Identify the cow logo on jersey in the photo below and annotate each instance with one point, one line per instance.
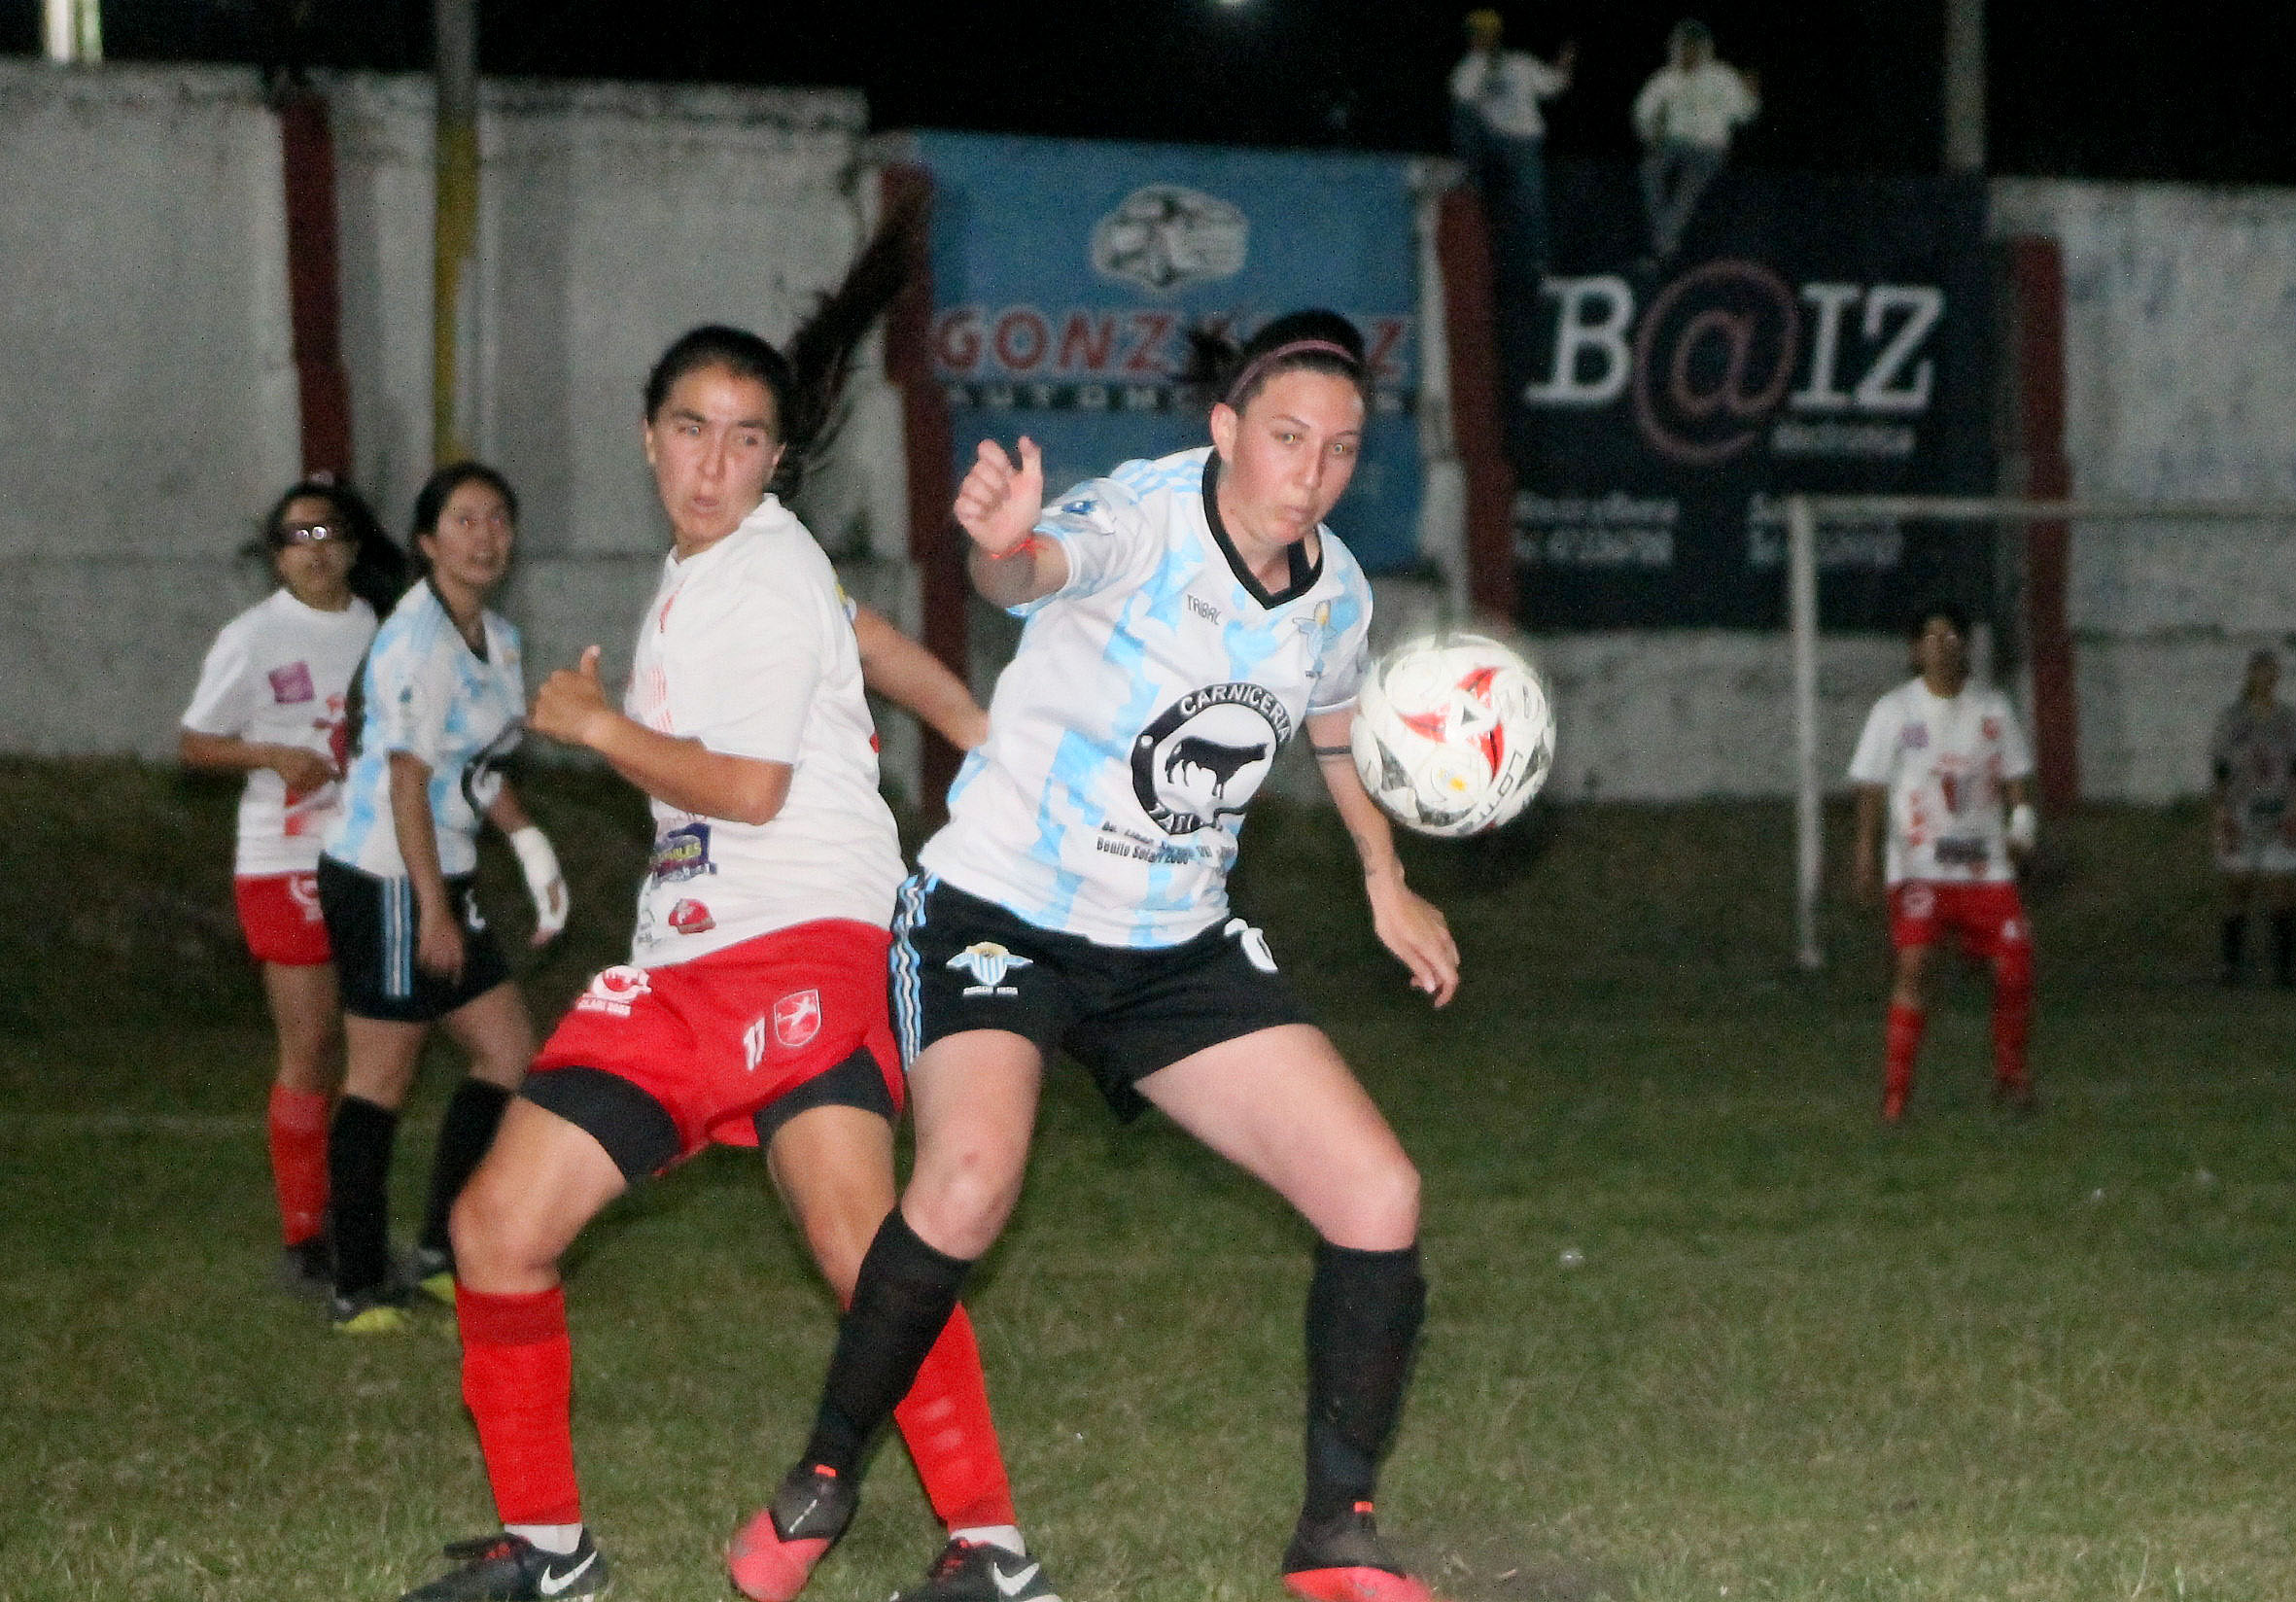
(1164, 237)
(614, 991)
(797, 1019)
(1205, 755)
(691, 917)
(680, 854)
(989, 962)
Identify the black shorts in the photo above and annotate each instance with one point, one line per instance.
(959, 963)
(370, 922)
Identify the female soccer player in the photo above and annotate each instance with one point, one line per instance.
(1186, 615)
(443, 702)
(270, 705)
(2253, 756)
(1944, 760)
(753, 1010)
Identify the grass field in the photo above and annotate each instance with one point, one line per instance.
(1699, 1328)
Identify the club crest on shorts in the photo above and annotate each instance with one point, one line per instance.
(614, 990)
(302, 889)
(797, 1019)
(989, 962)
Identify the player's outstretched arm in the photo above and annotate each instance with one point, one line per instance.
(998, 505)
(1408, 924)
(571, 709)
(903, 672)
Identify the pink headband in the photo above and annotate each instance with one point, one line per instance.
(1297, 347)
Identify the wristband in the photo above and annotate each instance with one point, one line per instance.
(2025, 826)
(544, 881)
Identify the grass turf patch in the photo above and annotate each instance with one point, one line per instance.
(1699, 1329)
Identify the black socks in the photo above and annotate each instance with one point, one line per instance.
(902, 1299)
(464, 1134)
(358, 1176)
(1364, 1312)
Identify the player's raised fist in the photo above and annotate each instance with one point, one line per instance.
(998, 504)
(568, 700)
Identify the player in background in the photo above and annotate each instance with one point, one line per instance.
(1185, 617)
(1943, 758)
(443, 707)
(2253, 759)
(270, 705)
(753, 1010)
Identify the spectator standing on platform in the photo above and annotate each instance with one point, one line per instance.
(1685, 116)
(1497, 131)
(2253, 756)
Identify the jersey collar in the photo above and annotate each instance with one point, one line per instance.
(1303, 571)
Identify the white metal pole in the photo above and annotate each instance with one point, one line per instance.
(1802, 608)
(1964, 86)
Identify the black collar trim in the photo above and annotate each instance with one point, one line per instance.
(1304, 573)
(480, 650)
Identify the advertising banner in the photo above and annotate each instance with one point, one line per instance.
(1066, 275)
(1815, 333)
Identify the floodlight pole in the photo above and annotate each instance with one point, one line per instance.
(1964, 86)
(72, 30)
(1801, 607)
(454, 283)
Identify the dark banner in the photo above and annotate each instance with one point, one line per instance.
(1814, 333)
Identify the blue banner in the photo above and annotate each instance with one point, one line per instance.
(1067, 274)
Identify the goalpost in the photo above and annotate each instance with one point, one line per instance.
(1806, 514)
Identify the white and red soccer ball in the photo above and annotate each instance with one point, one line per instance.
(1453, 734)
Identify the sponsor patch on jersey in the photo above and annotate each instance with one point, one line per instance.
(614, 990)
(680, 854)
(691, 917)
(1990, 728)
(797, 1019)
(1914, 736)
(1205, 755)
(292, 684)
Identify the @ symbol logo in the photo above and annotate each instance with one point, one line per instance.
(1712, 360)
(1207, 753)
(1166, 238)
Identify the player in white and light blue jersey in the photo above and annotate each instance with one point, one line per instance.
(444, 704)
(1186, 617)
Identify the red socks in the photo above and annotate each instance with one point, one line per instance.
(2013, 1021)
(1904, 1044)
(951, 1438)
(518, 1381)
(297, 1128)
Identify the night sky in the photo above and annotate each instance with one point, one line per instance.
(2106, 88)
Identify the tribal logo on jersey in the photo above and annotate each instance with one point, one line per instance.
(1205, 755)
(614, 990)
(989, 962)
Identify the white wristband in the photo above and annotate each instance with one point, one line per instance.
(2025, 826)
(544, 881)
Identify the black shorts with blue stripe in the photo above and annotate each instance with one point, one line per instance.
(962, 963)
(370, 922)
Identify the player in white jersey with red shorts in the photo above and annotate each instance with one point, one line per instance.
(1947, 765)
(271, 704)
(1185, 617)
(2252, 758)
(752, 1009)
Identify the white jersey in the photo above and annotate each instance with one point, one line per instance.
(748, 648)
(460, 712)
(2254, 755)
(277, 675)
(1944, 761)
(1504, 88)
(1701, 105)
(1145, 706)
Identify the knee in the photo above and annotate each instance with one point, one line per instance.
(493, 1235)
(961, 1195)
(1379, 1207)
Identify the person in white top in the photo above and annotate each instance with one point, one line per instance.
(1946, 763)
(2252, 761)
(1685, 116)
(1498, 133)
(442, 696)
(271, 704)
(752, 1009)
(1185, 617)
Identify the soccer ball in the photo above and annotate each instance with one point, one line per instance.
(1453, 735)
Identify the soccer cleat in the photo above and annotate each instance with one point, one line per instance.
(774, 1553)
(981, 1570)
(307, 1267)
(1344, 1561)
(430, 1270)
(510, 1568)
(380, 1309)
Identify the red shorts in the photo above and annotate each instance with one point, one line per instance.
(279, 914)
(716, 1040)
(1989, 918)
